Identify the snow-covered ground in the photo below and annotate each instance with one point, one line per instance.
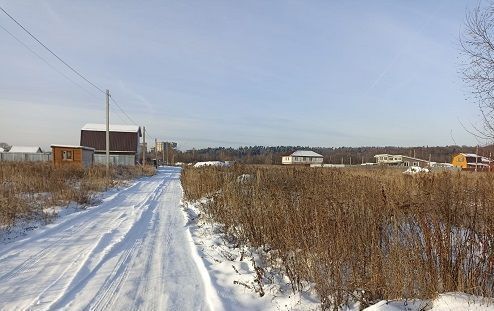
(445, 302)
(242, 279)
(212, 163)
(245, 282)
(130, 252)
(144, 248)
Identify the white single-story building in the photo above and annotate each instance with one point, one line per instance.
(26, 149)
(303, 157)
(400, 160)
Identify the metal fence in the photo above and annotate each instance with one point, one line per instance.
(22, 156)
(115, 159)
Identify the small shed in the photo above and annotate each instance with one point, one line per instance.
(72, 155)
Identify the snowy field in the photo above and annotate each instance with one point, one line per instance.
(143, 248)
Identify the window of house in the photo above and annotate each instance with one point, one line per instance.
(416, 164)
(406, 163)
(67, 155)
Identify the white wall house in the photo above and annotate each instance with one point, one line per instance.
(400, 160)
(25, 149)
(302, 157)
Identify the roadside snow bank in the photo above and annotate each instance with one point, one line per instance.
(211, 163)
(242, 279)
(415, 170)
(448, 301)
(52, 214)
(245, 280)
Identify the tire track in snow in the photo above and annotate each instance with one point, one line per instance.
(121, 270)
(111, 250)
(65, 230)
(68, 221)
(112, 284)
(130, 252)
(102, 242)
(32, 261)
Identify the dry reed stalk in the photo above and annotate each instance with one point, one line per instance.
(359, 234)
(26, 188)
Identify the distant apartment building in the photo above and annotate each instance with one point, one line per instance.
(160, 146)
(303, 157)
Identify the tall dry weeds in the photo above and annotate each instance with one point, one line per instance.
(26, 188)
(359, 234)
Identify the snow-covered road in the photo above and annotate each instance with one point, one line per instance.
(130, 252)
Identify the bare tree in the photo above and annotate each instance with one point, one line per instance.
(477, 42)
(5, 146)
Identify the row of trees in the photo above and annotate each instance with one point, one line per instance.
(346, 155)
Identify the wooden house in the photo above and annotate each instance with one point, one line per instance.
(302, 157)
(63, 155)
(124, 142)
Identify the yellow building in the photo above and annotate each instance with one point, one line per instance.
(470, 161)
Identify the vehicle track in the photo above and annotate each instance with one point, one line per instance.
(130, 252)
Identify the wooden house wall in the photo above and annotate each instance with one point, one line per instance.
(119, 141)
(58, 157)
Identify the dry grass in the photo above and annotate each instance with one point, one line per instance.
(28, 187)
(359, 234)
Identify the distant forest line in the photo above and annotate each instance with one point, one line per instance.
(345, 155)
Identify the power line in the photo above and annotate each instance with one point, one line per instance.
(115, 112)
(66, 64)
(46, 61)
(121, 109)
(128, 117)
(53, 53)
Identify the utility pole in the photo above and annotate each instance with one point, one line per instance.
(107, 134)
(490, 161)
(163, 151)
(156, 150)
(144, 147)
(167, 153)
(476, 158)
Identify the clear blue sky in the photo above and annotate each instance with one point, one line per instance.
(231, 73)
